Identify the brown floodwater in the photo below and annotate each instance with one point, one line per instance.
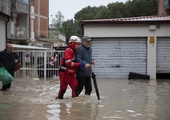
(30, 99)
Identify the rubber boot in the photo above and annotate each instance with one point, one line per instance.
(77, 91)
(8, 85)
(61, 94)
(4, 88)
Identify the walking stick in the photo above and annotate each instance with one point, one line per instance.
(95, 84)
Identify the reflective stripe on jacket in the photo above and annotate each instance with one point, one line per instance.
(68, 63)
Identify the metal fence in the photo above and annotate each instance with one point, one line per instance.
(38, 64)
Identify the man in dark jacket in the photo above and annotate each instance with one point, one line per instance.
(8, 59)
(84, 54)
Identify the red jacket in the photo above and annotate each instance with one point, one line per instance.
(68, 62)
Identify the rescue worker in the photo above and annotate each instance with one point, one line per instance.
(68, 67)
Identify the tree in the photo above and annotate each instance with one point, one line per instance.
(141, 8)
(57, 21)
(132, 8)
(116, 10)
(68, 29)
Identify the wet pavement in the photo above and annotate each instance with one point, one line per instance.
(120, 100)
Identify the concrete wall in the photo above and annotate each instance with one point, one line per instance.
(140, 30)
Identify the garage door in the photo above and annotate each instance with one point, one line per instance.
(116, 57)
(163, 55)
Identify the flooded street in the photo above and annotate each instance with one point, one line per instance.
(120, 100)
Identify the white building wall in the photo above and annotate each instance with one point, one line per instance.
(125, 30)
(2, 34)
(136, 30)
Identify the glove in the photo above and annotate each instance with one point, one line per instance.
(82, 64)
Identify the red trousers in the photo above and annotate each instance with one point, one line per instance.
(65, 80)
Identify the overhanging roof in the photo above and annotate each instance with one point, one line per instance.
(25, 47)
(142, 19)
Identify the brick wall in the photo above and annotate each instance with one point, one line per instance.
(160, 7)
(41, 8)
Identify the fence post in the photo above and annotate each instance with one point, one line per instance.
(45, 65)
(23, 64)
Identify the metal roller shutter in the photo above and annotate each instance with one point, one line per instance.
(163, 55)
(116, 57)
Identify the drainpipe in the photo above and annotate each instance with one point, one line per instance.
(29, 21)
(7, 27)
(48, 19)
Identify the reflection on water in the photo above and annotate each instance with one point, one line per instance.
(163, 99)
(120, 99)
(16, 111)
(72, 111)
